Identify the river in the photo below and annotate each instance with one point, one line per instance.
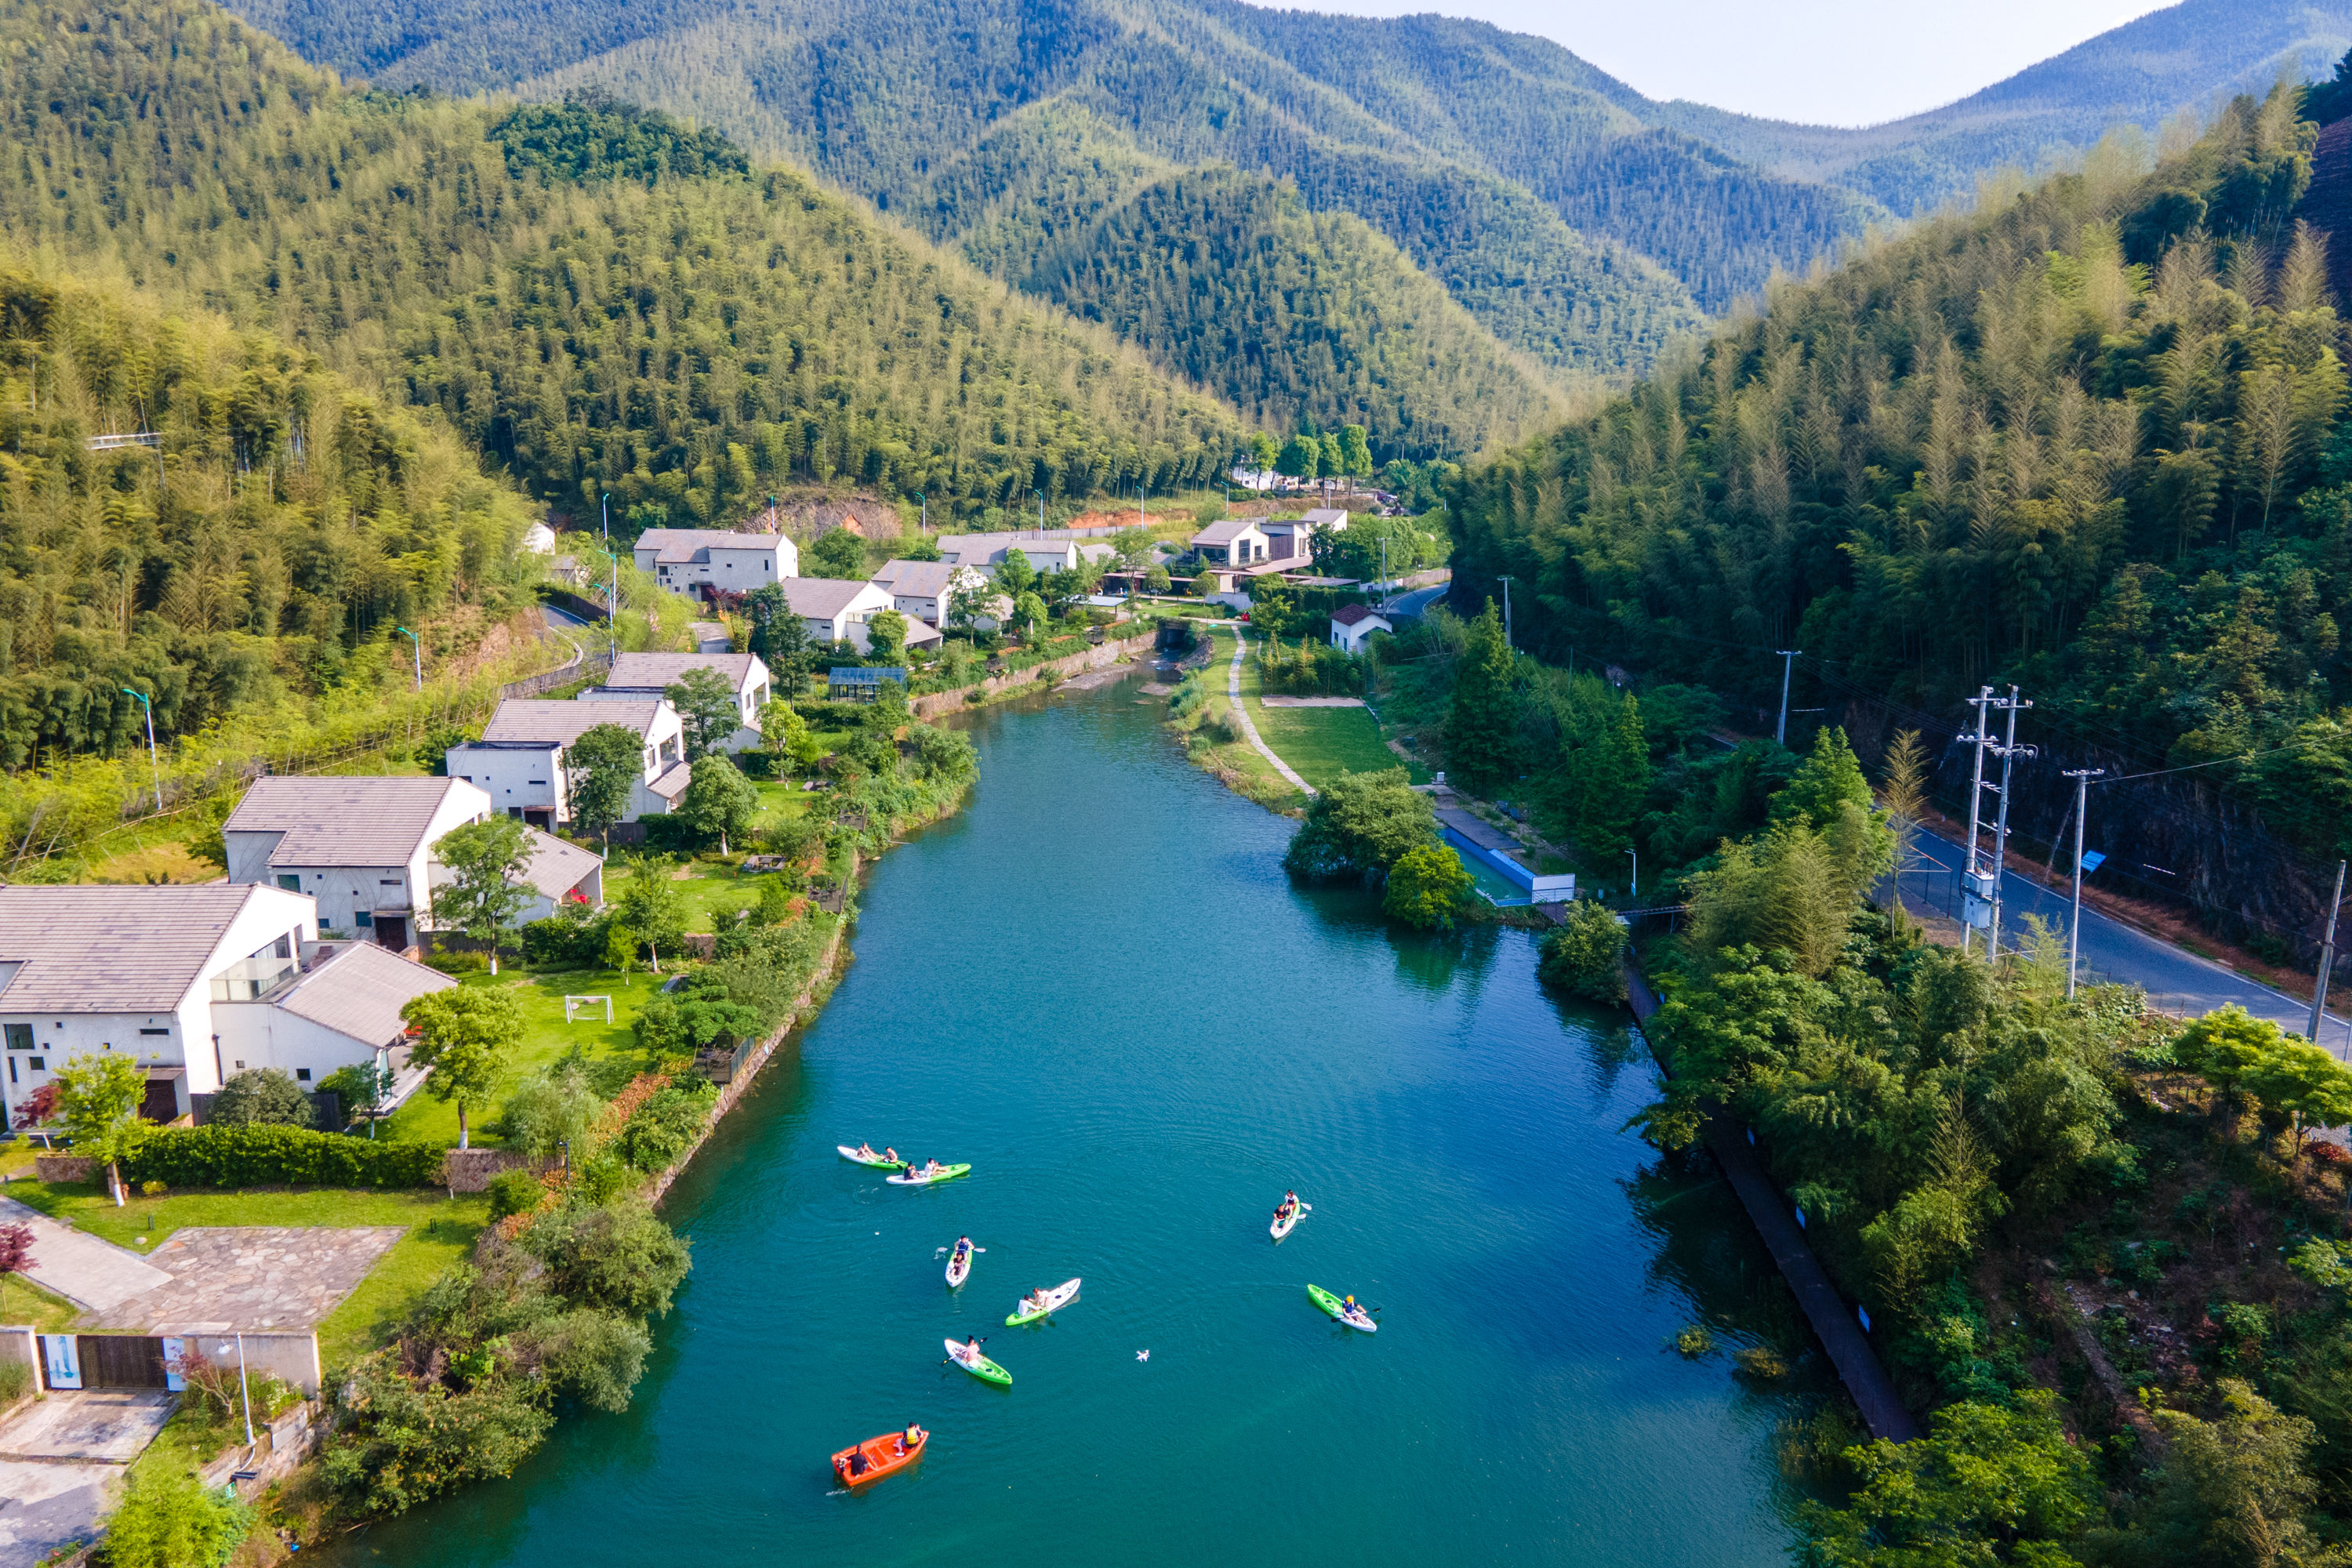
(1096, 986)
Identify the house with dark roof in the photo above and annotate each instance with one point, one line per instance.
(1354, 624)
(521, 761)
(137, 970)
(836, 610)
(711, 561)
(640, 677)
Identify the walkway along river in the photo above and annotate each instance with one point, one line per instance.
(1096, 986)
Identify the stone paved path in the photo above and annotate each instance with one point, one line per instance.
(252, 1277)
(91, 1273)
(1234, 693)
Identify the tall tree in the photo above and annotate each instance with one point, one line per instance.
(1483, 724)
(465, 1035)
(486, 890)
(719, 801)
(602, 770)
(709, 708)
(98, 1099)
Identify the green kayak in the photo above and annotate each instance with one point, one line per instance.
(979, 1365)
(1360, 1319)
(912, 1178)
(1058, 1297)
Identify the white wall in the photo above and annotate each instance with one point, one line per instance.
(255, 1034)
(513, 776)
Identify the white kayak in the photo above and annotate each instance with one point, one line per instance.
(877, 1162)
(960, 1267)
(1285, 1224)
(1059, 1296)
(926, 1178)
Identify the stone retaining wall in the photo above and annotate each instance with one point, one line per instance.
(471, 1170)
(1107, 652)
(73, 1168)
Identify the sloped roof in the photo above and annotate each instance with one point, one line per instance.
(918, 579)
(336, 821)
(112, 949)
(556, 867)
(1326, 517)
(659, 671)
(821, 597)
(679, 544)
(561, 724)
(1350, 614)
(673, 782)
(1227, 531)
(359, 991)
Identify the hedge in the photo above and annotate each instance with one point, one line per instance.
(221, 1155)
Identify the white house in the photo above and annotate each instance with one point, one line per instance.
(691, 560)
(1293, 539)
(560, 873)
(521, 760)
(1047, 550)
(539, 540)
(138, 971)
(1351, 625)
(339, 1007)
(360, 847)
(923, 590)
(644, 676)
(1235, 542)
(834, 610)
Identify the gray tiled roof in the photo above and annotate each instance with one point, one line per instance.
(112, 949)
(1326, 517)
(331, 820)
(561, 724)
(358, 991)
(555, 866)
(824, 597)
(676, 545)
(658, 671)
(673, 782)
(1227, 531)
(918, 579)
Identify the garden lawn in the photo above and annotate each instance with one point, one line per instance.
(1324, 743)
(611, 1050)
(23, 1302)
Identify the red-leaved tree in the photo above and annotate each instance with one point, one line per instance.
(16, 1258)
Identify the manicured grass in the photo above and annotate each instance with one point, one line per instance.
(144, 1224)
(1324, 743)
(609, 1049)
(23, 1302)
(437, 1240)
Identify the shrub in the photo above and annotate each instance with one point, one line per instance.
(15, 1381)
(459, 963)
(405, 1441)
(514, 1191)
(262, 1097)
(619, 1257)
(169, 1519)
(571, 938)
(1584, 955)
(664, 1127)
(1359, 827)
(262, 1156)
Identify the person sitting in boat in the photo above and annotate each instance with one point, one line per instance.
(1034, 1301)
(910, 1438)
(857, 1466)
(891, 1154)
(932, 1168)
(971, 1352)
(866, 1152)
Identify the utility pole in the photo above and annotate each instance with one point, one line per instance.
(1969, 879)
(1506, 613)
(613, 604)
(416, 650)
(1788, 663)
(2009, 751)
(153, 766)
(1634, 891)
(2081, 777)
(604, 517)
(2326, 958)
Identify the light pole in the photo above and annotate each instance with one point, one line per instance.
(2326, 958)
(153, 766)
(1788, 663)
(2083, 777)
(1635, 890)
(604, 517)
(613, 604)
(417, 649)
(1507, 612)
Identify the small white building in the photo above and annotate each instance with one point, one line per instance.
(925, 590)
(1235, 541)
(539, 540)
(138, 971)
(339, 1007)
(520, 759)
(1354, 624)
(360, 847)
(645, 677)
(692, 559)
(1293, 539)
(834, 610)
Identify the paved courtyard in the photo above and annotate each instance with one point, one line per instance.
(251, 1277)
(61, 1458)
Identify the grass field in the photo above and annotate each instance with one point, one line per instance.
(1324, 743)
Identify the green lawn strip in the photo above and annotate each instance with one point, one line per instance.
(1323, 742)
(436, 1241)
(22, 1302)
(546, 1038)
(144, 1224)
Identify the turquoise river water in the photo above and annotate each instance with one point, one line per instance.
(1096, 984)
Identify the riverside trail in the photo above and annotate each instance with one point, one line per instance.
(1096, 984)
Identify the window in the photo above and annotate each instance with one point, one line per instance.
(302, 1075)
(20, 1037)
(387, 882)
(363, 920)
(240, 1067)
(38, 1064)
(165, 1031)
(514, 811)
(290, 880)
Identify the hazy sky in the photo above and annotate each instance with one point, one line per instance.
(1834, 62)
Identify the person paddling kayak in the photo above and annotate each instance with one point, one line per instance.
(891, 1154)
(866, 1152)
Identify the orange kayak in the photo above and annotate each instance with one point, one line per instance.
(884, 1456)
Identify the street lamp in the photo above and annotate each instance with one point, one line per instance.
(1635, 890)
(153, 766)
(417, 651)
(604, 515)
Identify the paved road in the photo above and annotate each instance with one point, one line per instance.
(2175, 980)
(1417, 601)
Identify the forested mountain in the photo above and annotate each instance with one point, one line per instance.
(2190, 56)
(2091, 439)
(599, 299)
(287, 522)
